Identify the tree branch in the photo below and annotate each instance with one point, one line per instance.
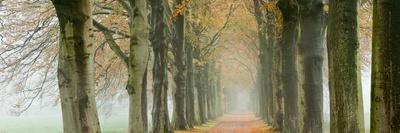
(111, 41)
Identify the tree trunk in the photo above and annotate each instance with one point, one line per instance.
(179, 77)
(199, 80)
(312, 55)
(269, 53)
(139, 43)
(190, 112)
(219, 92)
(344, 74)
(208, 90)
(289, 9)
(277, 87)
(212, 88)
(76, 67)
(160, 119)
(144, 97)
(262, 31)
(385, 110)
(201, 98)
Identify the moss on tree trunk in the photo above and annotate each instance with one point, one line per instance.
(346, 104)
(385, 99)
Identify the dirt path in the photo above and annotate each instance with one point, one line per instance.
(240, 123)
(233, 123)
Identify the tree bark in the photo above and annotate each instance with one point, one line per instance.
(290, 12)
(264, 66)
(190, 106)
(76, 67)
(311, 54)
(139, 43)
(385, 110)
(346, 104)
(199, 75)
(180, 65)
(160, 119)
(206, 89)
(144, 97)
(269, 53)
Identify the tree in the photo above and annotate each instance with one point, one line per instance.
(290, 15)
(190, 90)
(346, 104)
(139, 43)
(311, 51)
(385, 109)
(160, 77)
(264, 66)
(76, 67)
(178, 49)
(136, 62)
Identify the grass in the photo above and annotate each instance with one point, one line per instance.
(53, 124)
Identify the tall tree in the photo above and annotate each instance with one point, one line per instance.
(262, 34)
(178, 46)
(190, 101)
(139, 44)
(346, 104)
(385, 110)
(199, 80)
(290, 15)
(312, 55)
(137, 61)
(76, 67)
(160, 120)
(272, 16)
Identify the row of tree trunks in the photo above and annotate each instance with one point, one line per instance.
(281, 77)
(76, 67)
(385, 110)
(76, 62)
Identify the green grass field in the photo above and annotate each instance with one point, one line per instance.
(53, 124)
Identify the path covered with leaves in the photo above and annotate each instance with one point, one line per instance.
(236, 123)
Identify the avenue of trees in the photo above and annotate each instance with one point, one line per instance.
(88, 48)
(292, 65)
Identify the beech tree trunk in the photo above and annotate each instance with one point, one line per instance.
(277, 87)
(76, 67)
(139, 44)
(199, 79)
(346, 104)
(263, 76)
(178, 46)
(207, 89)
(160, 119)
(385, 110)
(312, 55)
(190, 105)
(290, 12)
(269, 66)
